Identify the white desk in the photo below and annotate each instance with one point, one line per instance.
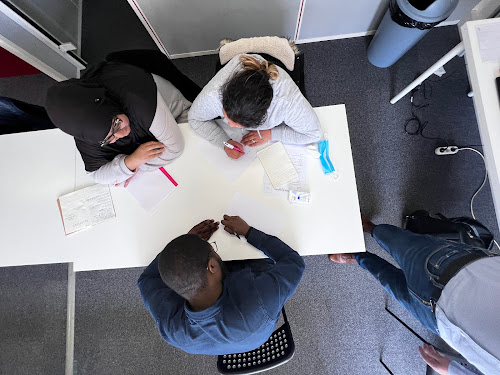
(330, 224)
(37, 167)
(486, 102)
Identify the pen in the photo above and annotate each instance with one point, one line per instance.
(237, 235)
(229, 145)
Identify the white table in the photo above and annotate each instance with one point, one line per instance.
(331, 224)
(486, 102)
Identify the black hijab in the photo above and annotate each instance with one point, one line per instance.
(85, 107)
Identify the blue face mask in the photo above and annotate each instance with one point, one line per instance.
(324, 157)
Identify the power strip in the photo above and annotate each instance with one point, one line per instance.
(450, 150)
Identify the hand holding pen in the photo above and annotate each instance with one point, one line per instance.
(233, 149)
(235, 225)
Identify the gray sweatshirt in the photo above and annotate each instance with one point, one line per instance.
(290, 116)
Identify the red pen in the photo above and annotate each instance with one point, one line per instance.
(229, 145)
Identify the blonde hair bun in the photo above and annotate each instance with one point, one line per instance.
(251, 63)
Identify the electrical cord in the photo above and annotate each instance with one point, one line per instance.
(415, 125)
(480, 187)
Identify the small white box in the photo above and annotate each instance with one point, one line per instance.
(300, 197)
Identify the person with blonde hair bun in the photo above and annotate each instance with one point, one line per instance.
(256, 95)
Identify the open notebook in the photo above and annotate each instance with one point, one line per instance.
(277, 164)
(85, 208)
(151, 188)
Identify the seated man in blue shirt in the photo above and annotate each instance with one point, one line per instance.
(206, 306)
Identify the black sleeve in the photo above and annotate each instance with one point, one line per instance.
(157, 63)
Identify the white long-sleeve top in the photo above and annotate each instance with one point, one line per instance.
(171, 106)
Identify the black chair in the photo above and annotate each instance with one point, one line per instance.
(277, 350)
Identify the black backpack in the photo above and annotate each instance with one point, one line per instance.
(459, 229)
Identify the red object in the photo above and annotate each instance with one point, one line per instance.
(168, 176)
(11, 65)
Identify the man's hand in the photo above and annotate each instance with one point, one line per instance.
(252, 138)
(234, 154)
(434, 359)
(235, 225)
(143, 154)
(205, 229)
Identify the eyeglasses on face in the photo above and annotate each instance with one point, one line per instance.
(214, 246)
(116, 125)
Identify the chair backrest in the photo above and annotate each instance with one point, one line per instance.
(297, 74)
(277, 350)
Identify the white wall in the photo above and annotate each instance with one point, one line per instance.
(324, 19)
(187, 26)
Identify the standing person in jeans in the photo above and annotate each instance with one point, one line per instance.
(203, 305)
(453, 289)
(17, 117)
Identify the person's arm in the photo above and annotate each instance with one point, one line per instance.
(301, 124)
(443, 365)
(161, 301)
(277, 285)
(206, 107)
(123, 167)
(166, 130)
(114, 172)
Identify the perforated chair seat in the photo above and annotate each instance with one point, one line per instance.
(277, 350)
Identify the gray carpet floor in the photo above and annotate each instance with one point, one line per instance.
(337, 314)
(33, 319)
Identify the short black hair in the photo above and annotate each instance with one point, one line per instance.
(247, 96)
(183, 265)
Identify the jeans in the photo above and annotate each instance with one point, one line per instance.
(17, 116)
(422, 259)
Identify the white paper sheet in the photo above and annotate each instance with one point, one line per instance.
(231, 169)
(86, 207)
(256, 214)
(277, 164)
(298, 157)
(150, 189)
(489, 42)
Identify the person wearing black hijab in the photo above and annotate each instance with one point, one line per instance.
(123, 114)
